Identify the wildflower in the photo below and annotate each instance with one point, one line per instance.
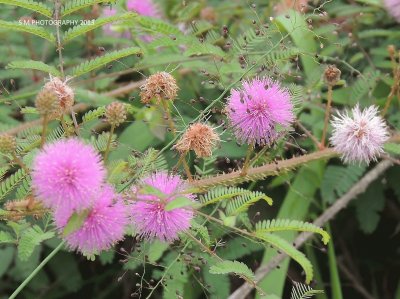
(149, 216)
(64, 93)
(160, 86)
(8, 144)
(332, 75)
(116, 113)
(103, 226)
(200, 138)
(359, 138)
(257, 109)
(66, 174)
(143, 7)
(47, 103)
(393, 8)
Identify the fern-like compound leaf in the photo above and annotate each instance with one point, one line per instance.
(303, 291)
(284, 246)
(75, 5)
(35, 30)
(82, 29)
(274, 225)
(37, 7)
(10, 183)
(235, 267)
(98, 62)
(33, 65)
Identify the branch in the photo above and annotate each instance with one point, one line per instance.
(258, 173)
(339, 205)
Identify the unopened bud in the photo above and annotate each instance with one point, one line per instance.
(47, 103)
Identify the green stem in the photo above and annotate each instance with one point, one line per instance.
(246, 162)
(327, 115)
(109, 143)
(36, 271)
(44, 129)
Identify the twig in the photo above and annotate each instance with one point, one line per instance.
(340, 204)
(327, 115)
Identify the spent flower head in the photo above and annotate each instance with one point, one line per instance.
(66, 174)
(63, 91)
(332, 75)
(149, 215)
(8, 143)
(161, 86)
(103, 226)
(200, 138)
(257, 109)
(360, 137)
(47, 103)
(115, 113)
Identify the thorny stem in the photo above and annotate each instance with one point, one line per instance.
(395, 87)
(261, 172)
(187, 169)
(44, 130)
(246, 162)
(17, 160)
(34, 272)
(327, 115)
(57, 8)
(75, 122)
(109, 143)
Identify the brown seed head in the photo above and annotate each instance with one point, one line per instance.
(160, 86)
(200, 138)
(208, 14)
(7, 143)
(47, 103)
(116, 113)
(64, 93)
(332, 75)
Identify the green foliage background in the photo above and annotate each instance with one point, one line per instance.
(291, 46)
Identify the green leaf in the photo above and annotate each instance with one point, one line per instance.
(303, 291)
(75, 5)
(37, 7)
(75, 222)
(178, 202)
(7, 185)
(6, 257)
(392, 148)
(35, 30)
(98, 62)
(33, 65)
(6, 238)
(238, 268)
(82, 29)
(274, 225)
(147, 189)
(290, 250)
(30, 238)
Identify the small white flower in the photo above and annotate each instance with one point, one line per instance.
(359, 138)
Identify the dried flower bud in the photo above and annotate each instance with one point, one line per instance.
(392, 50)
(116, 113)
(47, 103)
(7, 143)
(332, 75)
(64, 93)
(208, 14)
(200, 138)
(160, 86)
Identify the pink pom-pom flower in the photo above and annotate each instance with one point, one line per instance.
(149, 215)
(66, 174)
(256, 109)
(143, 7)
(360, 137)
(102, 228)
(393, 8)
